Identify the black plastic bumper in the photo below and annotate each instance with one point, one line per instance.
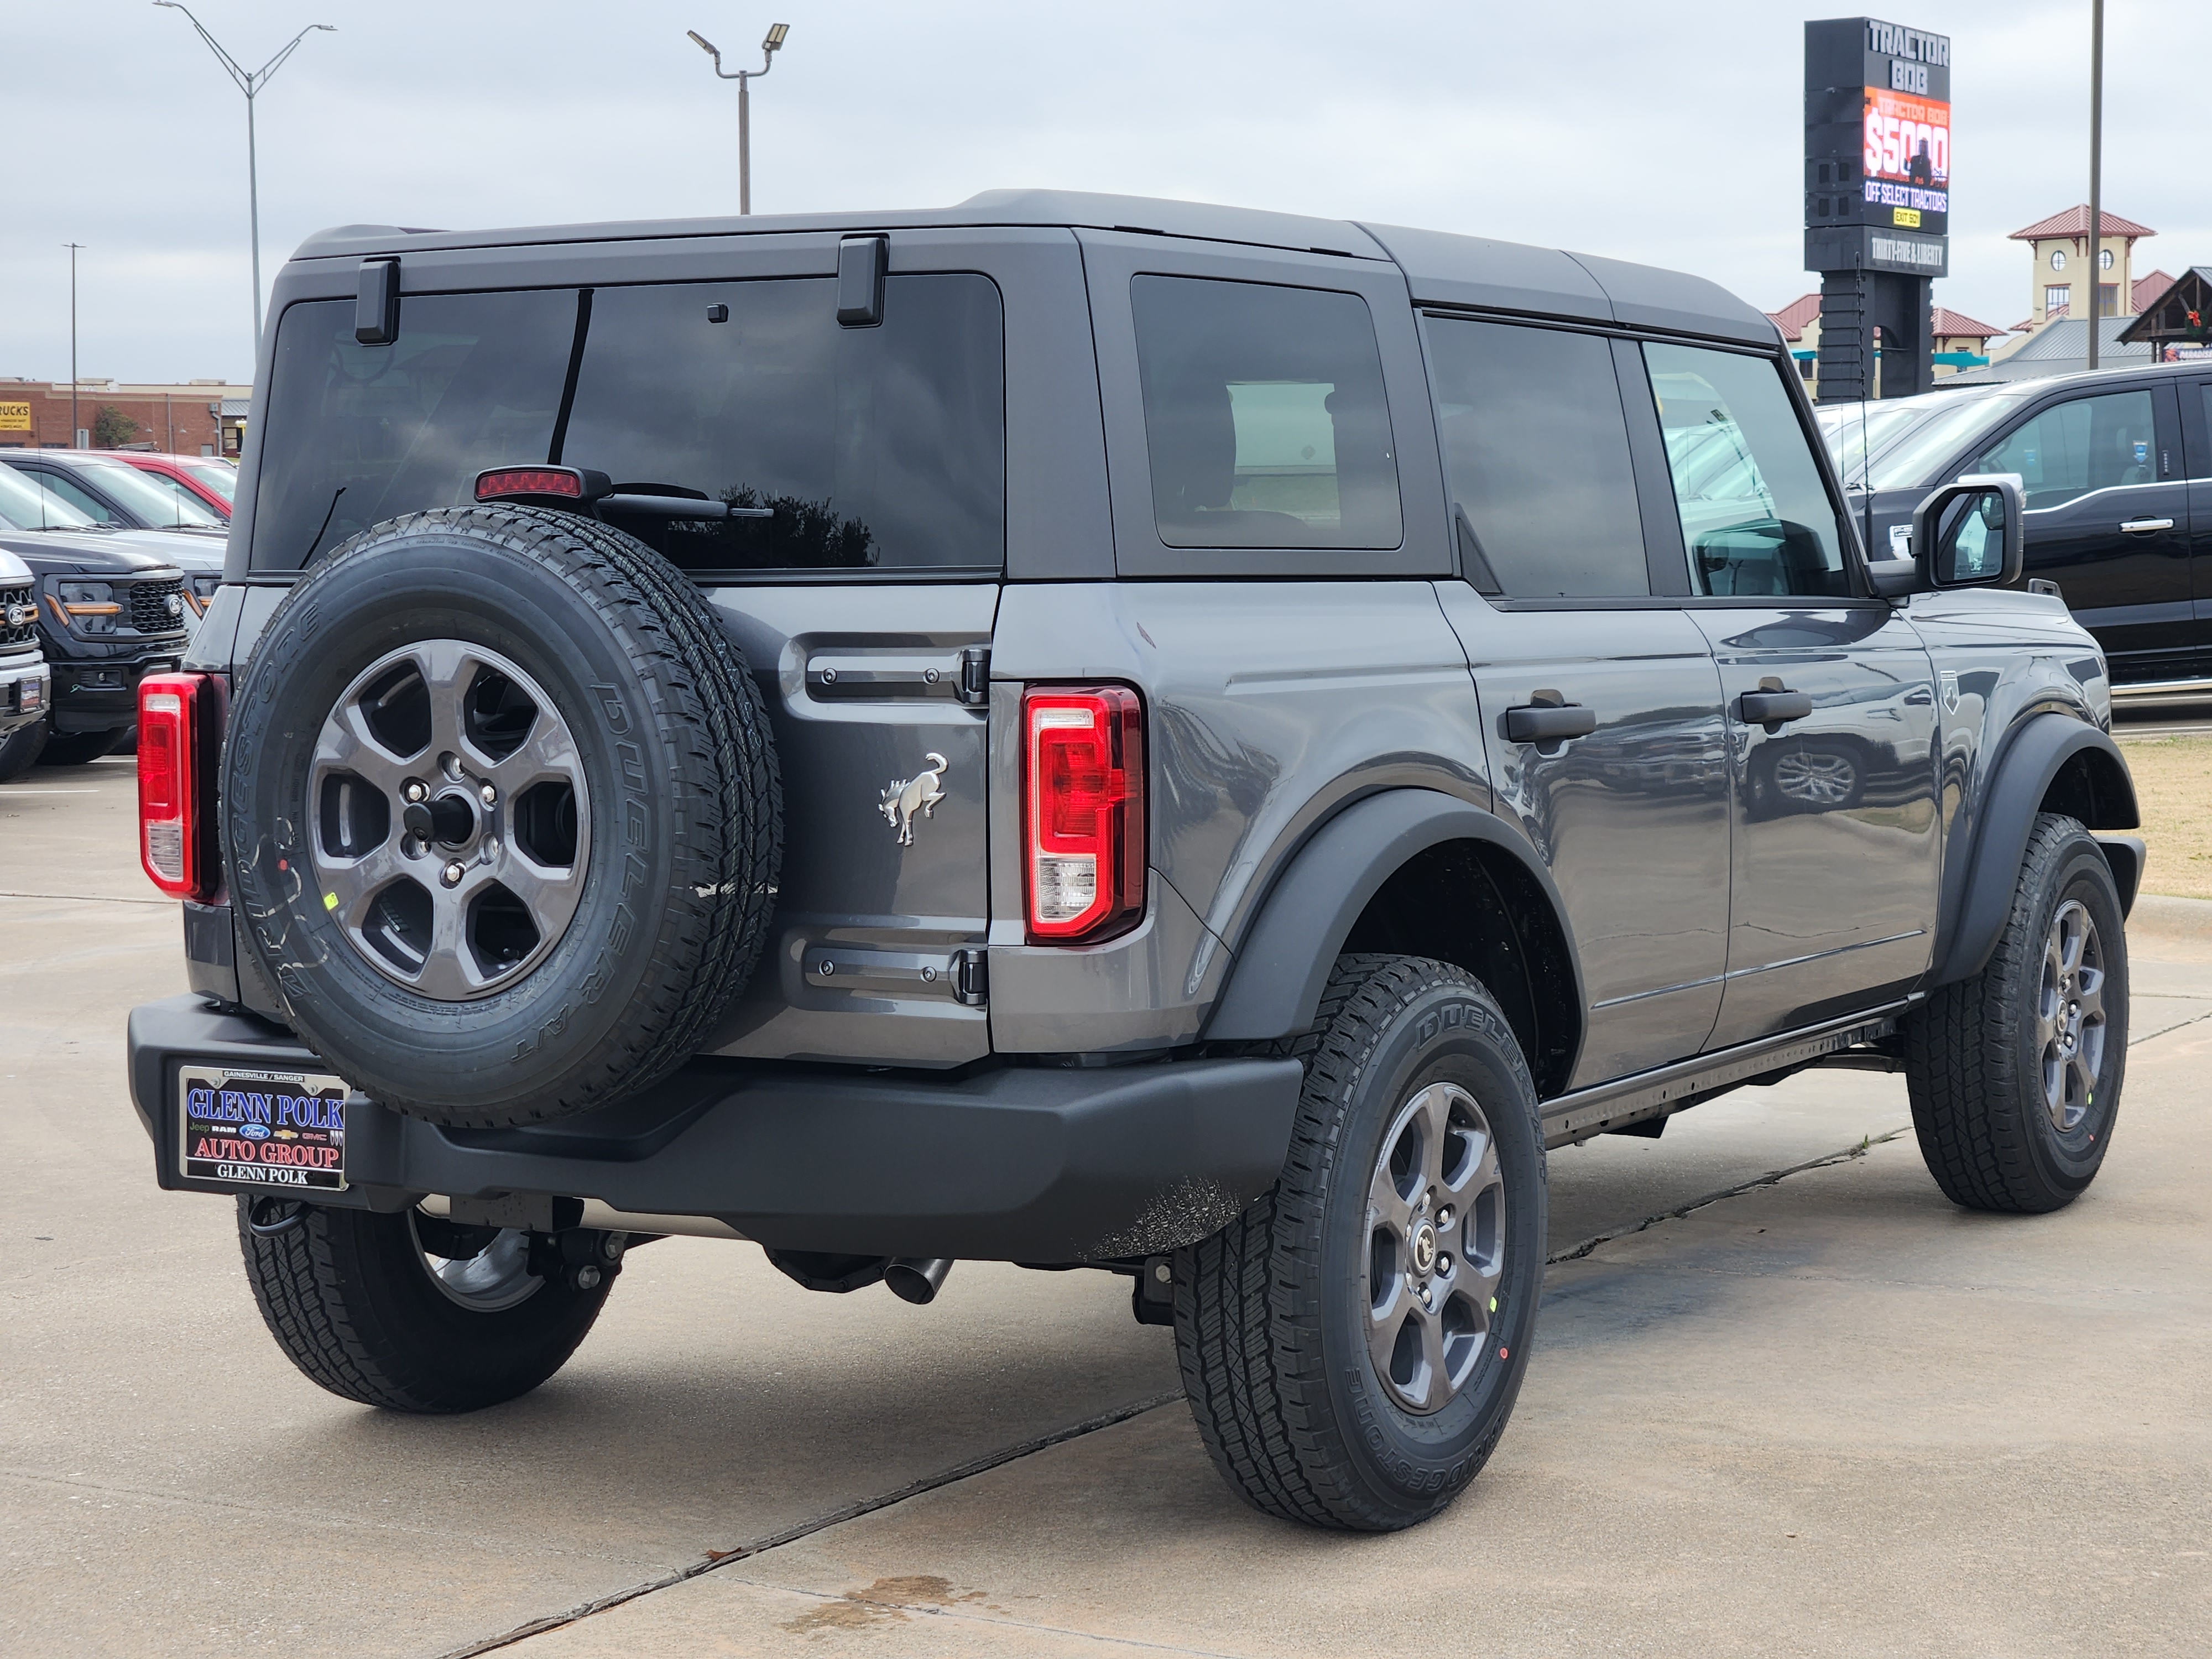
(102, 694)
(1015, 1164)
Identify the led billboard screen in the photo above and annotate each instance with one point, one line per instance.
(1877, 133)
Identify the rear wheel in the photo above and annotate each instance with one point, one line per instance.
(366, 1307)
(2015, 1075)
(1353, 1344)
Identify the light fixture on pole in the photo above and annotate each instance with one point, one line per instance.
(77, 432)
(770, 47)
(250, 82)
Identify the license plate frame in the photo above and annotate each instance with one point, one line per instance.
(242, 1127)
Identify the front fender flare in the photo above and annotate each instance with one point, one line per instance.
(2020, 778)
(1283, 962)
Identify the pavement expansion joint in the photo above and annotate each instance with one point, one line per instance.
(1772, 1177)
(88, 898)
(792, 1535)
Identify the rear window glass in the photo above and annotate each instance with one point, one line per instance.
(1264, 416)
(881, 447)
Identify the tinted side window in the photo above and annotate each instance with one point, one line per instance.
(1756, 515)
(1535, 451)
(359, 434)
(881, 446)
(2072, 448)
(1264, 416)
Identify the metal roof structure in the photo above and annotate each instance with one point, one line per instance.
(1440, 269)
(2075, 221)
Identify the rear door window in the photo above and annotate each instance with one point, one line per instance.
(1756, 517)
(878, 448)
(1264, 420)
(1535, 451)
(2074, 447)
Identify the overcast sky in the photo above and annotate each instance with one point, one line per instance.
(1666, 133)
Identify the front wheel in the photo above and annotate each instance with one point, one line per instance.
(371, 1307)
(1353, 1344)
(2015, 1075)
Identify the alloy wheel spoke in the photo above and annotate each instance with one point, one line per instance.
(356, 882)
(346, 745)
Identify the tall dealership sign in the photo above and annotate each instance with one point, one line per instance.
(1877, 197)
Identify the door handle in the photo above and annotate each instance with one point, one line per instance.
(2144, 526)
(1549, 722)
(1772, 708)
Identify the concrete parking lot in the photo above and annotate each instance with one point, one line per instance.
(1823, 1412)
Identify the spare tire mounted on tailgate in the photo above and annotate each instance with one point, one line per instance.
(501, 814)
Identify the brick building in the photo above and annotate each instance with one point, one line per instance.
(200, 417)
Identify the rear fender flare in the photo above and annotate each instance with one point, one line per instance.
(1283, 959)
(2023, 774)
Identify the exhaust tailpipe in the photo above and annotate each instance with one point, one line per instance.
(917, 1279)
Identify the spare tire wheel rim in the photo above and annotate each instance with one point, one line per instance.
(448, 819)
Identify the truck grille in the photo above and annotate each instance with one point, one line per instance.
(18, 602)
(156, 608)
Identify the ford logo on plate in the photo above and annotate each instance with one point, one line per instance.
(22, 616)
(254, 1131)
(176, 605)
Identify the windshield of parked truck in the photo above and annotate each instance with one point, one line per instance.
(26, 504)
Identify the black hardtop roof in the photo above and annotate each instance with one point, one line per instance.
(1441, 268)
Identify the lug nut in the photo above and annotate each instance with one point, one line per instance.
(452, 874)
(488, 795)
(415, 792)
(1444, 1216)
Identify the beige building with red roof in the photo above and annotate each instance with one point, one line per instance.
(2060, 275)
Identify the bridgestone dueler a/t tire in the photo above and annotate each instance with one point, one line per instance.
(685, 812)
(350, 1302)
(1973, 1058)
(1270, 1313)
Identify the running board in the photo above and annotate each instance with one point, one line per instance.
(1571, 1118)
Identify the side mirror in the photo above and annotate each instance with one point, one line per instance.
(1972, 533)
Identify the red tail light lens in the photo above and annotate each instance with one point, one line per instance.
(1083, 811)
(169, 822)
(505, 481)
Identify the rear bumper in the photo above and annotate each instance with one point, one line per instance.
(1015, 1164)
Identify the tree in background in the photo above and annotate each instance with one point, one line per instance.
(112, 428)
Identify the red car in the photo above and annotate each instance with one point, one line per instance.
(207, 480)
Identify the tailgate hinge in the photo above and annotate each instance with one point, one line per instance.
(976, 675)
(971, 976)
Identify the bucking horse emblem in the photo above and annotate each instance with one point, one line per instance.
(907, 799)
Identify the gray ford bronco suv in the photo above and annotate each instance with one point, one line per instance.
(1089, 732)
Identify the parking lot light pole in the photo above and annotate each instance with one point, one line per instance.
(74, 247)
(250, 81)
(770, 47)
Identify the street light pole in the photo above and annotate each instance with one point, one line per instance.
(770, 47)
(2096, 173)
(250, 82)
(74, 428)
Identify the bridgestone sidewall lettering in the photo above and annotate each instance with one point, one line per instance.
(684, 810)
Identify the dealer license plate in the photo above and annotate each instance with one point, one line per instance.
(278, 1129)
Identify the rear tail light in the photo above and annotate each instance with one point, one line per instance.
(1083, 811)
(171, 825)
